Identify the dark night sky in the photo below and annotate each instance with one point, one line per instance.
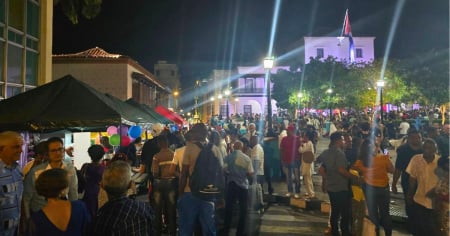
(198, 34)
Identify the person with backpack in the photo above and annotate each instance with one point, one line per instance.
(238, 168)
(200, 183)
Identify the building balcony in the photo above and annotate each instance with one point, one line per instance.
(254, 91)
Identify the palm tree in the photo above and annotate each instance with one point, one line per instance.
(89, 9)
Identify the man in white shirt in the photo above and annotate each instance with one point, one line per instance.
(422, 179)
(257, 157)
(251, 131)
(33, 202)
(403, 128)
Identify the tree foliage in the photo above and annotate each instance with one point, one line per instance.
(422, 80)
(89, 9)
(429, 72)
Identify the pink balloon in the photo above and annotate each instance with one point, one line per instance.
(111, 130)
(125, 141)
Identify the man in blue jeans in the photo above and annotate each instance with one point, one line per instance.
(238, 167)
(192, 209)
(335, 164)
(290, 158)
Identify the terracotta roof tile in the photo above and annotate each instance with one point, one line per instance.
(90, 53)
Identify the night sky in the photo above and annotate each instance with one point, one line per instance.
(198, 34)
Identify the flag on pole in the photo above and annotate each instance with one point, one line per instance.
(347, 32)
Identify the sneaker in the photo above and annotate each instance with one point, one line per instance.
(296, 195)
(288, 194)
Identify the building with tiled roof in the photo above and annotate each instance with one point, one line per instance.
(116, 74)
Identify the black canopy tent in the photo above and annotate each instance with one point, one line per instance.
(149, 110)
(66, 104)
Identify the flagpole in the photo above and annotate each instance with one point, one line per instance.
(341, 37)
(343, 24)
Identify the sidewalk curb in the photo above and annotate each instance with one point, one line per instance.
(318, 205)
(300, 203)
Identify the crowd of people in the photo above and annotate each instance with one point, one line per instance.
(45, 200)
(51, 197)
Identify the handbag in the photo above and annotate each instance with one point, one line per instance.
(308, 157)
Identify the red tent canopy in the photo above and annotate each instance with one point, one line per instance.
(170, 115)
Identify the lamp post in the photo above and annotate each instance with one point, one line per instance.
(212, 106)
(227, 93)
(175, 94)
(196, 115)
(299, 95)
(380, 85)
(330, 91)
(220, 96)
(268, 65)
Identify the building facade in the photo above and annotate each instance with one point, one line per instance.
(248, 93)
(323, 47)
(115, 74)
(25, 45)
(170, 76)
(241, 91)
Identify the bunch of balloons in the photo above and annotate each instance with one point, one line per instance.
(123, 135)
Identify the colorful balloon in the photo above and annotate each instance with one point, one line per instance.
(135, 131)
(111, 130)
(122, 130)
(125, 141)
(114, 139)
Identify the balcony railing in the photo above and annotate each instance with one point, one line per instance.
(249, 90)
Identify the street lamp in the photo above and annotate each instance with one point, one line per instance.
(299, 95)
(196, 97)
(268, 65)
(329, 91)
(175, 94)
(380, 85)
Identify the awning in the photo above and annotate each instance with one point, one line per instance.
(170, 115)
(65, 104)
(161, 119)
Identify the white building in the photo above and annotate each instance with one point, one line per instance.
(248, 84)
(323, 47)
(248, 93)
(251, 90)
